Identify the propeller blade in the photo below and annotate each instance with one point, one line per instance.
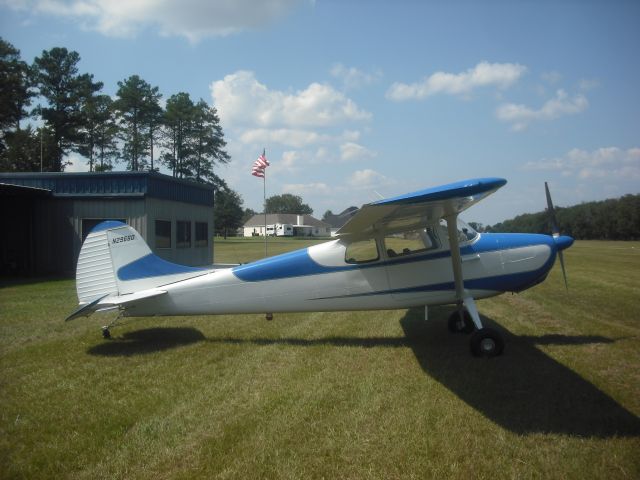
(555, 230)
(552, 213)
(564, 272)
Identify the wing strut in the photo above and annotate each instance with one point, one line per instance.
(463, 298)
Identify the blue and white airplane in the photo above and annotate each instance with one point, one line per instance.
(396, 253)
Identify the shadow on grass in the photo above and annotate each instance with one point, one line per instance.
(145, 341)
(525, 390)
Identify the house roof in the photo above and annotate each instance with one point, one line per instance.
(290, 218)
(337, 221)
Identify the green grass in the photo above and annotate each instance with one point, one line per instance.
(339, 395)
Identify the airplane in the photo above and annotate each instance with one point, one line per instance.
(401, 252)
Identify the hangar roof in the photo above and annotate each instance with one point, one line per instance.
(114, 184)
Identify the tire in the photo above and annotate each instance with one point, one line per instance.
(454, 323)
(486, 342)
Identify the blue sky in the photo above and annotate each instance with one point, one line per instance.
(356, 99)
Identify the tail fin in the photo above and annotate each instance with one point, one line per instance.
(115, 260)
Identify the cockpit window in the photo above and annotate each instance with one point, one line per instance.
(414, 241)
(466, 233)
(362, 251)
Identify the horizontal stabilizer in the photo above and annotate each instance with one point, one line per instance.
(106, 302)
(85, 310)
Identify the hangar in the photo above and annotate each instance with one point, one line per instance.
(46, 216)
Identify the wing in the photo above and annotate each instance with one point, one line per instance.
(420, 208)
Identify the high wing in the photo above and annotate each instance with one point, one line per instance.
(420, 208)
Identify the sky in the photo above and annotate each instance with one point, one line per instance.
(355, 100)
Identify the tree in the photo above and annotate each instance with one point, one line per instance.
(99, 133)
(15, 96)
(178, 116)
(287, 203)
(15, 92)
(227, 211)
(248, 214)
(613, 219)
(23, 150)
(207, 142)
(138, 111)
(57, 79)
(328, 214)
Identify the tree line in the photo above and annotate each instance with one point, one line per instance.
(613, 219)
(76, 118)
(65, 112)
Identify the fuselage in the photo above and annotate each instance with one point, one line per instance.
(331, 277)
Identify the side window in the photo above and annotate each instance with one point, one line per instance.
(183, 234)
(407, 243)
(202, 237)
(163, 234)
(362, 251)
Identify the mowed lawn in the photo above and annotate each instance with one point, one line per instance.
(329, 395)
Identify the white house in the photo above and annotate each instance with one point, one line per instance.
(280, 224)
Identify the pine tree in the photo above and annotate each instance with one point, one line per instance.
(57, 79)
(137, 109)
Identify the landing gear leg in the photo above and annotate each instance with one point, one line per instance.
(460, 322)
(485, 342)
(106, 333)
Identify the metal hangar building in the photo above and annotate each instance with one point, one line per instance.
(46, 216)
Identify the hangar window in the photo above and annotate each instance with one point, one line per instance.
(362, 251)
(183, 234)
(202, 234)
(163, 234)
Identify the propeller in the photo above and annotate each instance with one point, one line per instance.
(555, 230)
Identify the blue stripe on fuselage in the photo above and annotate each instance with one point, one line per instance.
(299, 263)
(293, 264)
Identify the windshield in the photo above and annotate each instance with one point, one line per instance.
(466, 233)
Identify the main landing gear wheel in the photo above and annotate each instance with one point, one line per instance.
(106, 333)
(457, 326)
(486, 342)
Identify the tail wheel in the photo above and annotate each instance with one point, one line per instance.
(457, 326)
(487, 342)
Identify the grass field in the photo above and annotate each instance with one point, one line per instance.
(340, 395)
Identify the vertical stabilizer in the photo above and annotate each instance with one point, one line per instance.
(115, 260)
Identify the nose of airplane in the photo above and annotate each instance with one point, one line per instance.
(562, 242)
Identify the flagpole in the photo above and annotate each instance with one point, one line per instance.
(264, 202)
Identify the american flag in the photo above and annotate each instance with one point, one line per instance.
(260, 165)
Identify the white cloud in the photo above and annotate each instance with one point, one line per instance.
(552, 77)
(241, 99)
(284, 136)
(484, 74)
(352, 77)
(193, 19)
(353, 151)
(587, 84)
(520, 115)
(602, 163)
(368, 178)
(307, 189)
